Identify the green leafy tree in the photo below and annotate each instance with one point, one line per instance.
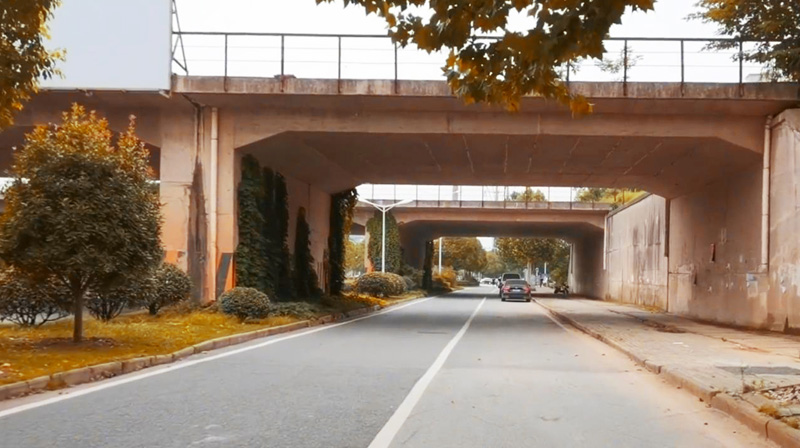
(463, 254)
(251, 264)
(517, 63)
(591, 194)
(529, 195)
(773, 24)
(518, 252)
(24, 60)
(394, 255)
(81, 209)
(306, 282)
(495, 267)
(355, 257)
(342, 207)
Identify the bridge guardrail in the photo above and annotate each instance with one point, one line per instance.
(355, 56)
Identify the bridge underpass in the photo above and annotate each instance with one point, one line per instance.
(582, 228)
(699, 147)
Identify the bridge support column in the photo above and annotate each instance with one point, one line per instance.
(197, 192)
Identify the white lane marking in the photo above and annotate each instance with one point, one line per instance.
(395, 422)
(180, 365)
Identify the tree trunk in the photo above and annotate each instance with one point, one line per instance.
(77, 311)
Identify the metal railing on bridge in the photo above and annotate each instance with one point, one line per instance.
(487, 197)
(376, 57)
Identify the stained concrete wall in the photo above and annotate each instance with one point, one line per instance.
(714, 252)
(588, 278)
(636, 263)
(783, 298)
(318, 210)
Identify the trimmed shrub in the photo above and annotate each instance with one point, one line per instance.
(31, 303)
(409, 282)
(380, 284)
(170, 285)
(300, 310)
(109, 303)
(245, 303)
(448, 276)
(439, 285)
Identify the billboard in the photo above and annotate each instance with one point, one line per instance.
(112, 45)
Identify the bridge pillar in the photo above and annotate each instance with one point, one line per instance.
(197, 193)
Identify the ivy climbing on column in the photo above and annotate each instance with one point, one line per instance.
(342, 206)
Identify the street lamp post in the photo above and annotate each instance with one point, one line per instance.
(384, 209)
(441, 240)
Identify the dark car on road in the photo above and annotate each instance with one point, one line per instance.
(516, 289)
(502, 281)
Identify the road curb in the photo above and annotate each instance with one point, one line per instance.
(747, 414)
(82, 375)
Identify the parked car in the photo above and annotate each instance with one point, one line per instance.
(502, 281)
(515, 289)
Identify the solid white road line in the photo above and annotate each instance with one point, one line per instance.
(392, 427)
(180, 365)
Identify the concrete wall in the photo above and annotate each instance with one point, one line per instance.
(783, 298)
(636, 264)
(588, 277)
(714, 252)
(318, 210)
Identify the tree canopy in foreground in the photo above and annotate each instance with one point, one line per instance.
(516, 63)
(775, 24)
(23, 57)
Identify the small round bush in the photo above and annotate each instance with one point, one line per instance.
(245, 303)
(410, 284)
(170, 285)
(27, 302)
(380, 284)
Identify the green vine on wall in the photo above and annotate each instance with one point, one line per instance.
(251, 266)
(263, 260)
(393, 253)
(342, 207)
(284, 268)
(306, 282)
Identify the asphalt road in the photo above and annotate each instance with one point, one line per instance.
(455, 371)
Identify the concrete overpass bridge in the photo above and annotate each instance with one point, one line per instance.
(579, 223)
(715, 241)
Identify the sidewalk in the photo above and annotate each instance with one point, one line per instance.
(732, 370)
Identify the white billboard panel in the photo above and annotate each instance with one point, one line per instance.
(112, 44)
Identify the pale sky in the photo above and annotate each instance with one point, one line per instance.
(304, 16)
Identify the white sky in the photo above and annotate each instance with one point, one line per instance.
(304, 16)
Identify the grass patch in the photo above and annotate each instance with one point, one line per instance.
(27, 353)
